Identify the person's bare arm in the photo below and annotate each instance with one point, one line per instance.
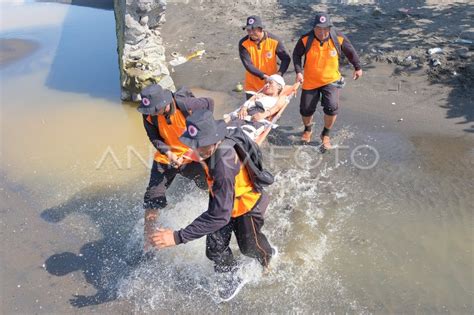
(269, 113)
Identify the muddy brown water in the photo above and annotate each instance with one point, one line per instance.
(382, 224)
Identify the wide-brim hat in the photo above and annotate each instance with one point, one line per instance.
(322, 20)
(253, 21)
(203, 130)
(154, 98)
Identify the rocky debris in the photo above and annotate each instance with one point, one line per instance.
(377, 12)
(144, 20)
(140, 46)
(435, 62)
(439, 62)
(436, 50)
(465, 53)
(412, 38)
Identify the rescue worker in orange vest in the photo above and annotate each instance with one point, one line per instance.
(320, 74)
(164, 118)
(234, 205)
(258, 52)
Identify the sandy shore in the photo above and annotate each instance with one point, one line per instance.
(406, 95)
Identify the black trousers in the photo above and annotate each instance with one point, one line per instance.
(247, 229)
(162, 176)
(329, 100)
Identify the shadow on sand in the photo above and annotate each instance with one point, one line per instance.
(103, 262)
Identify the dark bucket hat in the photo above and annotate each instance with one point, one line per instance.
(154, 98)
(253, 21)
(322, 20)
(203, 130)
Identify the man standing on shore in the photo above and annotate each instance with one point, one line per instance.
(258, 52)
(322, 48)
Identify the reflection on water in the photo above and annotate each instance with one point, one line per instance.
(397, 238)
(84, 61)
(15, 16)
(63, 96)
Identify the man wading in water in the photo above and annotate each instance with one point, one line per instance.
(234, 204)
(164, 118)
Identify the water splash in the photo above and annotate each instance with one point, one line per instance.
(307, 209)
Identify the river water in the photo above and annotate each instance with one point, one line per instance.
(383, 224)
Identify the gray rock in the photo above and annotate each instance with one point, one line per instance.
(125, 95)
(466, 55)
(156, 16)
(167, 83)
(377, 12)
(158, 51)
(463, 53)
(469, 35)
(134, 31)
(136, 97)
(137, 54)
(134, 39)
(144, 20)
(397, 60)
(143, 5)
(140, 46)
(164, 69)
(435, 62)
(436, 50)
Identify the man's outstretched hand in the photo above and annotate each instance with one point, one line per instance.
(357, 74)
(163, 238)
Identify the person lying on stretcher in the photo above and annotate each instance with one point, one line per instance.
(256, 112)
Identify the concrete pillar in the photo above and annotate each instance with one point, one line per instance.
(140, 46)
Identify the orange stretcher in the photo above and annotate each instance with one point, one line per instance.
(288, 92)
(283, 101)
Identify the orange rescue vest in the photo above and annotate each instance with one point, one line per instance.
(322, 64)
(245, 196)
(264, 58)
(170, 134)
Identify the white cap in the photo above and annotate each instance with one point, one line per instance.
(278, 79)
